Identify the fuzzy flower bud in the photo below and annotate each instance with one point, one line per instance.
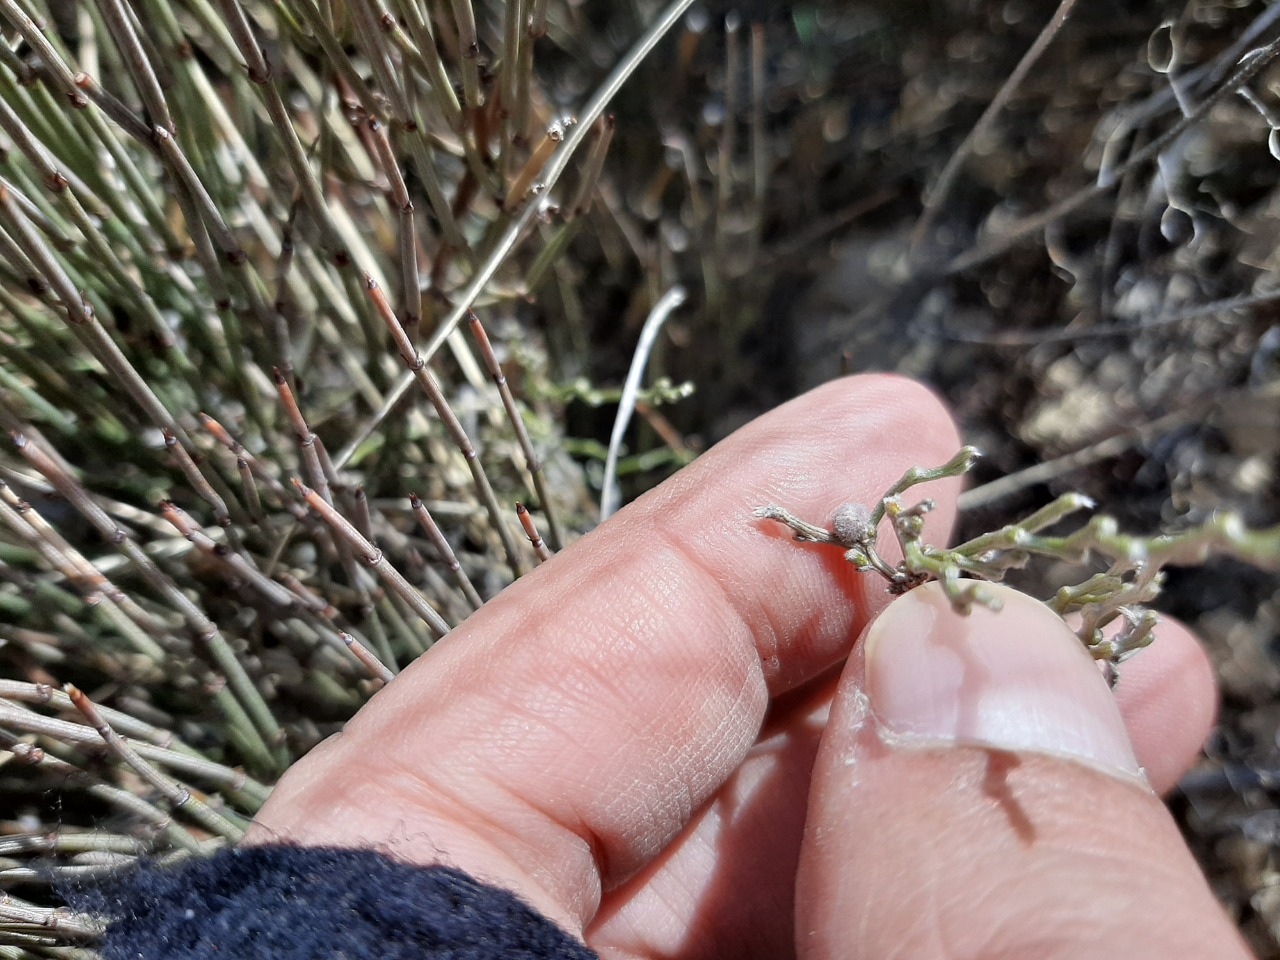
(851, 525)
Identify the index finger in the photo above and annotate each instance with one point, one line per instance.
(555, 742)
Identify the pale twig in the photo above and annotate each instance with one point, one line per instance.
(512, 34)
(592, 167)
(134, 624)
(61, 923)
(960, 464)
(1133, 578)
(138, 63)
(259, 72)
(51, 62)
(364, 519)
(525, 82)
(609, 492)
(378, 55)
(760, 165)
(179, 796)
(412, 308)
(321, 473)
(727, 145)
(199, 484)
(305, 437)
(469, 45)
(237, 564)
(123, 800)
(221, 652)
(377, 669)
(533, 166)
(256, 467)
(80, 316)
(1061, 466)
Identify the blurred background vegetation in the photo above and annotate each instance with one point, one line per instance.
(229, 230)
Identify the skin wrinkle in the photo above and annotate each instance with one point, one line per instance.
(433, 798)
(452, 826)
(978, 869)
(712, 707)
(501, 713)
(662, 924)
(775, 636)
(1006, 933)
(718, 922)
(643, 803)
(582, 851)
(698, 781)
(666, 904)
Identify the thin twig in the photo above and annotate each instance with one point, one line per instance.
(445, 551)
(200, 625)
(609, 492)
(470, 52)
(377, 669)
(531, 531)
(179, 796)
(1250, 65)
(417, 366)
(532, 460)
(374, 558)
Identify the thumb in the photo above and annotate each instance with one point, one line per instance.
(976, 796)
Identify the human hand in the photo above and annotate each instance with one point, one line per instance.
(647, 738)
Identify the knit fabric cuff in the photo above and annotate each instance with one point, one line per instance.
(301, 903)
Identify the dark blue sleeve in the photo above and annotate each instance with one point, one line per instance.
(297, 903)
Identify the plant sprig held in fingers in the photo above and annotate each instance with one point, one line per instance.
(1133, 576)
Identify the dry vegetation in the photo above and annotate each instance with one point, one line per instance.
(228, 229)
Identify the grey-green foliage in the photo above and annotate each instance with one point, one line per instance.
(1132, 571)
(262, 272)
(227, 227)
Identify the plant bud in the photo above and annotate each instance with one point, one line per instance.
(851, 525)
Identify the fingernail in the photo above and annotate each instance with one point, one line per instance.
(1015, 679)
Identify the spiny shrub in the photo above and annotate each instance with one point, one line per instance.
(304, 306)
